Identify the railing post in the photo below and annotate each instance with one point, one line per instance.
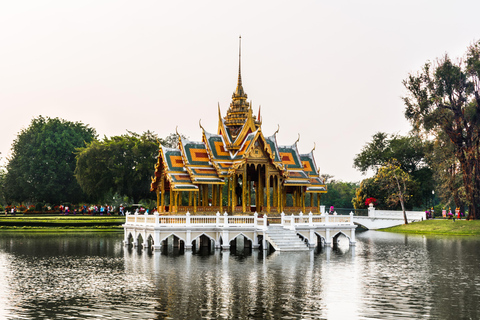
(371, 211)
(326, 217)
(217, 219)
(187, 220)
(255, 219)
(225, 219)
(351, 217)
(310, 219)
(283, 219)
(265, 221)
(322, 209)
(157, 220)
(292, 222)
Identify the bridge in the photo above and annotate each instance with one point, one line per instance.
(380, 219)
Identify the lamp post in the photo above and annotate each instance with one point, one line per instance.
(433, 203)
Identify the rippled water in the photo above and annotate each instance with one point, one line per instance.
(386, 276)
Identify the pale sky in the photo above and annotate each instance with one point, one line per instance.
(330, 71)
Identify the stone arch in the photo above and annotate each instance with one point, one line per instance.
(197, 242)
(172, 234)
(204, 234)
(129, 239)
(248, 242)
(361, 225)
(139, 238)
(150, 242)
(338, 234)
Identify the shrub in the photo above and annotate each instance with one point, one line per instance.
(39, 207)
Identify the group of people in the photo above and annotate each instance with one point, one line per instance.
(13, 211)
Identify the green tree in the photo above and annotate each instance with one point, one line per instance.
(410, 152)
(43, 162)
(396, 183)
(2, 184)
(446, 97)
(447, 172)
(340, 193)
(120, 165)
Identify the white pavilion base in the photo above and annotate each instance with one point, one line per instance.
(153, 230)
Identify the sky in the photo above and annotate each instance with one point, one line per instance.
(329, 71)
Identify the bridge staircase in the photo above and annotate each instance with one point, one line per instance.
(284, 240)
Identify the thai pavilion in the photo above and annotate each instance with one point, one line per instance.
(236, 170)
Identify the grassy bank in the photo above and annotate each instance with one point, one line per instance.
(56, 223)
(441, 227)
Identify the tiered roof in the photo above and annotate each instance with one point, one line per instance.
(238, 138)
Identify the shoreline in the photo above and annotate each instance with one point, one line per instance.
(444, 227)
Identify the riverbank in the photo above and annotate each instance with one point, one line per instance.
(440, 227)
(44, 223)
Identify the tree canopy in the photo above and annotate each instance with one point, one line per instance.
(120, 164)
(409, 153)
(445, 97)
(340, 193)
(41, 168)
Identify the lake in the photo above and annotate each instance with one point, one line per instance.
(91, 276)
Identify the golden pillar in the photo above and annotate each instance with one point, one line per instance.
(267, 186)
(220, 197)
(162, 186)
(158, 197)
(244, 189)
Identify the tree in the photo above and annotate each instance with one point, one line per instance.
(2, 183)
(120, 164)
(396, 183)
(410, 154)
(447, 172)
(340, 193)
(446, 97)
(43, 161)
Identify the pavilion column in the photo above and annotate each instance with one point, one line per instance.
(234, 196)
(259, 190)
(244, 189)
(274, 190)
(190, 198)
(220, 196)
(267, 186)
(311, 200)
(173, 201)
(279, 196)
(162, 199)
(194, 201)
(249, 194)
(170, 200)
(229, 192)
(158, 197)
(304, 199)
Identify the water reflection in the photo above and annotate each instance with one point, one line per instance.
(387, 276)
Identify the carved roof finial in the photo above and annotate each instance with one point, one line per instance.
(278, 129)
(298, 139)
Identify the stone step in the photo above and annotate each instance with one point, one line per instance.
(284, 239)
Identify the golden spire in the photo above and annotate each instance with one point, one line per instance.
(239, 91)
